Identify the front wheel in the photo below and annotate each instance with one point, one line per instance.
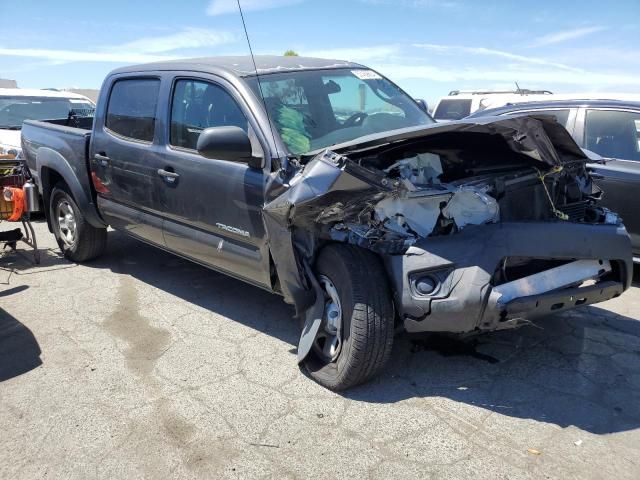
(356, 335)
(78, 239)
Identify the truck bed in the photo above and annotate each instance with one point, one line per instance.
(70, 143)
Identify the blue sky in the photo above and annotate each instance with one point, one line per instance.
(426, 46)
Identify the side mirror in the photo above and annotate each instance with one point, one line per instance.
(422, 104)
(227, 143)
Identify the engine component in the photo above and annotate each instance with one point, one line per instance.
(470, 206)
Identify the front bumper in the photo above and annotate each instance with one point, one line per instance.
(464, 265)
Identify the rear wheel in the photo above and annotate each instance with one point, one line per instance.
(355, 339)
(78, 239)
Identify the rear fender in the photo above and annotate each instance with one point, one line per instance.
(53, 167)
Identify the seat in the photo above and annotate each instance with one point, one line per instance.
(614, 137)
(619, 143)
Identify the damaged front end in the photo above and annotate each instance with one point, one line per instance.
(475, 223)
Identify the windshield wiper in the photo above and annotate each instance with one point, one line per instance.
(11, 127)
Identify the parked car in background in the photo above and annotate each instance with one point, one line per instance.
(18, 105)
(459, 104)
(611, 129)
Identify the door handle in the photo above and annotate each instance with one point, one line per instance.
(102, 159)
(168, 176)
(596, 176)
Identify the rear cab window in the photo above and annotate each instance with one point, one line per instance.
(452, 109)
(132, 107)
(613, 133)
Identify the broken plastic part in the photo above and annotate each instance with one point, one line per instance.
(552, 279)
(423, 169)
(471, 206)
(411, 216)
(313, 318)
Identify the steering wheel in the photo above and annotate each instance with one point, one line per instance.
(355, 120)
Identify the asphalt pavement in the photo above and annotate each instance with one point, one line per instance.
(144, 365)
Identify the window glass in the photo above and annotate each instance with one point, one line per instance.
(132, 108)
(562, 116)
(353, 96)
(452, 109)
(613, 134)
(316, 109)
(16, 109)
(198, 105)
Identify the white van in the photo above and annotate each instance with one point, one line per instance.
(459, 104)
(20, 104)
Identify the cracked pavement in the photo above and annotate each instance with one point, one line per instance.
(144, 365)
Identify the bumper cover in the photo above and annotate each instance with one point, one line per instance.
(465, 263)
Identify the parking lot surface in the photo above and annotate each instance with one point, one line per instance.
(144, 365)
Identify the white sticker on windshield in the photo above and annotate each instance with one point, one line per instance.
(366, 74)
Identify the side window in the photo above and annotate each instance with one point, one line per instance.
(131, 111)
(613, 134)
(452, 109)
(562, 115)
(197, 105)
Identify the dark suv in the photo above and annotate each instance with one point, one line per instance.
(611, 129)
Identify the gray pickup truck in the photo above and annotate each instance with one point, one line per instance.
(324, 182)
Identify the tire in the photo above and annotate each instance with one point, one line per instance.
(86, 242)
(367, 318)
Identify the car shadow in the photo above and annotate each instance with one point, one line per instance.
(200, 286)
(577, 368)
(19, 349)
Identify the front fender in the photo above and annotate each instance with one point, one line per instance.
(51, 166)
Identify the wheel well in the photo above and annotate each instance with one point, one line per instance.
(49, 178)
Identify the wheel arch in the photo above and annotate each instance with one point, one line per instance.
(54, 168)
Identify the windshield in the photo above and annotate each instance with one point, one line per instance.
(316, 109)
(16, 109)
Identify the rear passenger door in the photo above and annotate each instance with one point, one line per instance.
(125, 157)
(615, 134)
(213, 208)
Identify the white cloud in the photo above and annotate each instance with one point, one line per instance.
(187, 38)
(67, 56)
(415, 3)
(143, 50)
(525, 76)
(356, 54)
(222, 7)
(494, 53)
(565, 35)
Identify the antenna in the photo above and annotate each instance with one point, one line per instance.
(246, 34)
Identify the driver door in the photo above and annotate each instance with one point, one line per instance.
(212, 208)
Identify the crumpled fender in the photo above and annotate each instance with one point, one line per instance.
(329, 188)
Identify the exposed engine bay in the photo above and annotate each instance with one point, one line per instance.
(423, 203)
(388, 198)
